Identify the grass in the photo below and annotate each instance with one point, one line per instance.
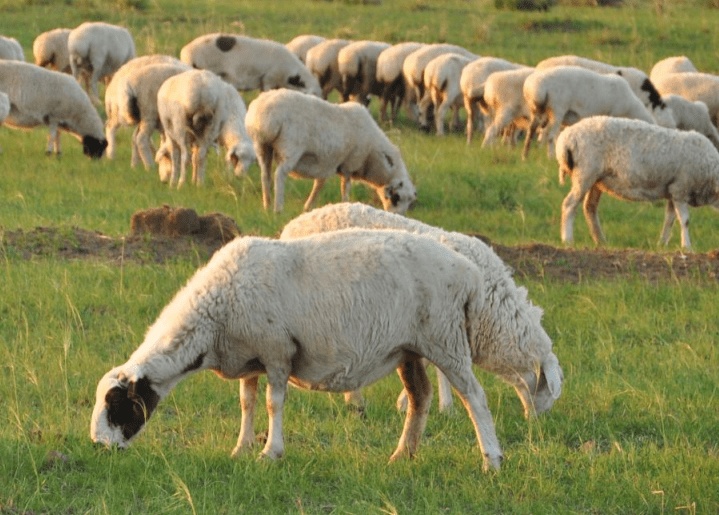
(635, 429)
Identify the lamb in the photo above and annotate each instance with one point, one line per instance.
(246, 313)
(501, 293)
(503, 103)
(313, 138)
(322, 63)
(441, 80)
(44, 97)
(97, 50)
(471, 83)
(198, 108)
(693, 86)
(391, 80)
(690, 115)
(357, 64)
(566, 94)
(134, 102)
(299, 45)
(676, 64)
(249, 63)
(10, 49)
(50, 50)
(635, 160)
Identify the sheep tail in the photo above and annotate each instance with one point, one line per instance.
(200, 121)
(566, 165)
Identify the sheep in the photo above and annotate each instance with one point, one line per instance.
(322, 63)
(357, 64)
(392, 82)
(639, 82)
(690, 115)
(313, 138)
(693, 86)
(50, 50)
(566, 94)
(197, 109)
(471, 83)
(249, 63)
(413, 71)
(503, 103)
(299, 45)
(501, 293)
(44, 97)
(134, 102)
(97, 50)
(676, 64)
(635, 160)
(10, 49)
(4, 108)
(264, 306)
(441, 80)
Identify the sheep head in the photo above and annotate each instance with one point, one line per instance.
(540, 388)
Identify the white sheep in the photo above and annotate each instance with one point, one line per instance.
(676, 64)
(50, 50)
(503, 104)
(322, 62)
(299, 45)
(197, 109)
(10, 49)
(562, 95)
(690, 115)
(391, 79)
(357, 64)
(441, 81)
(501, 294)
(413, 71)
(310, 137)
(97, 50)
(249, 63)
(635, 160)
(39, 96)
(133, 102)
(471, 84)
(331, 312)
(4, 108)
(693, 86)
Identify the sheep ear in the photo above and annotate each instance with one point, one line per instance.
(553, 374)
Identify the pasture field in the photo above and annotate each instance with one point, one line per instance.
(635, 431)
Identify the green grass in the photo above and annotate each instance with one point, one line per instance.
(634, 432)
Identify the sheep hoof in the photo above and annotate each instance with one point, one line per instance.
(492, 462)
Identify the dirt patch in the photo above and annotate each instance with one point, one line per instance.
(154, 239)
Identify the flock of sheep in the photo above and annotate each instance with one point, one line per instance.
(349, 293)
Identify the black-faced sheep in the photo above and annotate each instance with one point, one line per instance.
(263, 306)
(50, 50)
(310, 137)
(635, 160)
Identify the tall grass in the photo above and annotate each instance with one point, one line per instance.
(634, 432)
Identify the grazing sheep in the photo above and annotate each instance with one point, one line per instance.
(4, 108)
(562, 95)
(694, 116)
(501, 294)
(301, 44)
(677, 64)
(50, 50)
(357, 64)
(10, 49)
(249, 63)
(263, 306)
(197, 109)
(322, 62)
(693, 86)
(503, 104)
(97, 50)
(441, 81)
(313, 138)
(391, 80)
(471, 84)
(39, 96)
(132, 101)
(635, 160)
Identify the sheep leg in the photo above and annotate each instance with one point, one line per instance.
(470, 107)
(281, 173)
(419, 396)
(445, 393)
(184, 151)
(143, 144)
(264, 159)
(316, 188)
(53, 140)
(134, 158)
(682, 210)
(276, 393)
(569, 212)
(591, 203)
(248, 403)
(199, 158)
(110, 130)
(669, 216)
(440, 112)
(533, 126)
(355, 398)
